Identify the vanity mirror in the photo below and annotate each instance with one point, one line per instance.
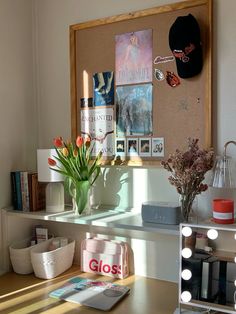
(208, 267)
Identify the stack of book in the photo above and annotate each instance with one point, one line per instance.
(27, 193)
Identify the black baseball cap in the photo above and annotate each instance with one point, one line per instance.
(185, 44)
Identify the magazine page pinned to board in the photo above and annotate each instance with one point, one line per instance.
(93, 293)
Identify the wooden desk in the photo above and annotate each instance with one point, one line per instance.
(23, 294)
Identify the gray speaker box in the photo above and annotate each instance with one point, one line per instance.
(161, 213)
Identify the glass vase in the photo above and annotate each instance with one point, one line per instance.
(188, 205)
(81, 198)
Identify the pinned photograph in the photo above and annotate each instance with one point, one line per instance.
(120, 147)
(132, 146)
(134, 57)
(103, 89)
(145, 147)
(134, 110)
(158, 147)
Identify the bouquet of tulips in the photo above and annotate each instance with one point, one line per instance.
(75, 162)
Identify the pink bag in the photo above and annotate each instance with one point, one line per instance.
(105, 257)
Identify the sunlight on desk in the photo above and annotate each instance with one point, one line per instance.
(24, 294)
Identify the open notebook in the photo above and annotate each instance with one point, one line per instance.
(97, 294)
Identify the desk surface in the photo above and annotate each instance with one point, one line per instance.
(23, 294)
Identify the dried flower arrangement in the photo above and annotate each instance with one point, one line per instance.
(188, 169)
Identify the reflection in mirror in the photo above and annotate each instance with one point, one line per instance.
(208, 267)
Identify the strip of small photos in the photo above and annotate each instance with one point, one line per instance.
(140, 146)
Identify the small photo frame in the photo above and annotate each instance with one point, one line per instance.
(158, 149)
(145, 147)
(120, 146)
(132, 146)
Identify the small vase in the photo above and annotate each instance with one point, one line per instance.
(188, 205)
(81, 198)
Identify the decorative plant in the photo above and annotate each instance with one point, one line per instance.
(74, 161)
(188, 169)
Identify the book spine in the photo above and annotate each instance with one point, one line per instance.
(18, 190)
(34, 183)
(30, 191)
(25, 190)
(13, 188)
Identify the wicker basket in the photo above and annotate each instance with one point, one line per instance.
(49, 264)
(20, 257)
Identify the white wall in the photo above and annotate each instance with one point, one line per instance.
(17, 109)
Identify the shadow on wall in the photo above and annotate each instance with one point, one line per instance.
(112, 186)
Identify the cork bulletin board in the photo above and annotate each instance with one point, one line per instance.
(177, 112)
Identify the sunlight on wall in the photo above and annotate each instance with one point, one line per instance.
(85, 84)
(140, 256)
(140, 187)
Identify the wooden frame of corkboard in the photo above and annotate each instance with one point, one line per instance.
(178, 113)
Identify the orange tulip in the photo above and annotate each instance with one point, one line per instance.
(51, 162)
(87, 141)
(75, 153)
(58, 142)
(79, 141)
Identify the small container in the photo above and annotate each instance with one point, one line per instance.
(20, 257)
(49, 264)
(223, 211)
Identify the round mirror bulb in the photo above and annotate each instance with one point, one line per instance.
(186, 296)
(187, 231)
(186, 274)
(186, 252)
(212, 234)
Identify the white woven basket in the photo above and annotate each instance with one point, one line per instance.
(49, 264)
(20, 257)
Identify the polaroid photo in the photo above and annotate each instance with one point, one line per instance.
(120, 147)
(158, 149)
(145, 147)
(132, 146)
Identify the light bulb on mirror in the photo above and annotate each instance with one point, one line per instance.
(212, 234)
(186, 296)
(186, 274)
(186, 252)
(187, 231)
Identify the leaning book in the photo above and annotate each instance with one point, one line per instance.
(93, 293)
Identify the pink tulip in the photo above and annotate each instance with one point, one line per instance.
(51, 162)
(58, 142)
(79, 141)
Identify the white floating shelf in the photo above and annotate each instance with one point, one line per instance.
(109, 218)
